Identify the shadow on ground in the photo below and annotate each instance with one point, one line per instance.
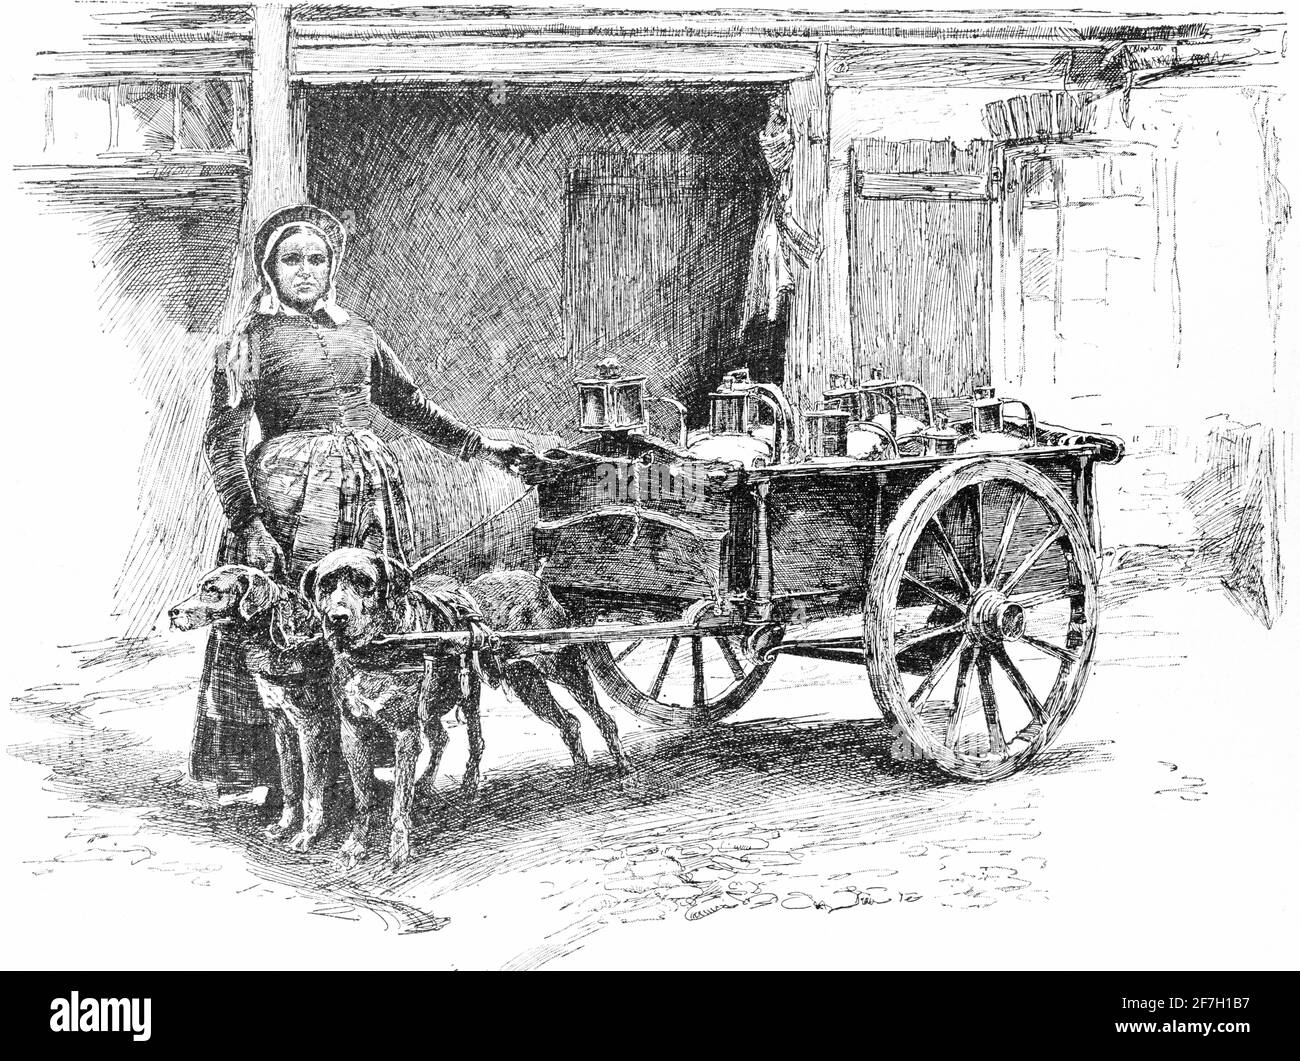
(791, 812)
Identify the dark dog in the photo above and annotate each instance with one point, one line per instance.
(362, 596)
(283, 650)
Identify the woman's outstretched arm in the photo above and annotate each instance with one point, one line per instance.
(396, 393)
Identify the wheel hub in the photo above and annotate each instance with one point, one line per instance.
(993, 618)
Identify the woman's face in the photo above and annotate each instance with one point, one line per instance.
(300, 268)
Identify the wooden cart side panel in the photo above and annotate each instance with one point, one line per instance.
(637, 530)
(822, 529)
(823, 534)
(635, 559)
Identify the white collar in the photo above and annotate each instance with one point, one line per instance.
(269, 305)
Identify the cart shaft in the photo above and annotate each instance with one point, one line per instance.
(458, 642)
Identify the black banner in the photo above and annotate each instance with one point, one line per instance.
(247, 1012)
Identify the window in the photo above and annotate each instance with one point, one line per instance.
(142, 121)
(1081, 222)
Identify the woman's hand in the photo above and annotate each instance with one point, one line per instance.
(261, 550)
(531, 467)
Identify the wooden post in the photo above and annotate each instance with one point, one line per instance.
(813, 347)
(278, 156)
(277, 144)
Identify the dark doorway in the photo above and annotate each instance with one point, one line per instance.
(460, 205)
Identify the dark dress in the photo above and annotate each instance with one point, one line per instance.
(320, 480)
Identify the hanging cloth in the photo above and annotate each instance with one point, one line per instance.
(781, 241)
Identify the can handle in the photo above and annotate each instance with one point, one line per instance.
(1030, 421)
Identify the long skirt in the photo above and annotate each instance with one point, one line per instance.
(318, 492)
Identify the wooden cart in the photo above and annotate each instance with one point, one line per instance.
(965, 584)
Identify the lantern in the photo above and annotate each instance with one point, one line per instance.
(732, 409)
(828, 433)
(612, 402)
(844, 394)
(986, 412)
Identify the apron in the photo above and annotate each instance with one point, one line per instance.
(319, 491)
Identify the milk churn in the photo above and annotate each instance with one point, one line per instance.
(989, 429)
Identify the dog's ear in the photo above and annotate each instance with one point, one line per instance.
(307, 585)
(258, 593)
(396, 576)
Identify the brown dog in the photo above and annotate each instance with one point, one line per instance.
(361, 596)
(278, 634)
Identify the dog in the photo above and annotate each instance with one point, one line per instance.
(280, 638)
(519, 600)
(361, 596)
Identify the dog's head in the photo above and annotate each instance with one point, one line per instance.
(354, 590)
(231, 593)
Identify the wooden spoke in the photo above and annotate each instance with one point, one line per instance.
(959, 696)
(729, 654)
(1008, 529)
(1017, 679)
(979, 533)
(658, 684)
(997, 739)
(906, 641)
(1034, 555)
(628, 651)
(697, 666)
(1048, 596)
(932, 679)
(1063, 654)
(932, 593)
(950, 554)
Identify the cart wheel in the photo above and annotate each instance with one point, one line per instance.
(679, 681)
(986, 566)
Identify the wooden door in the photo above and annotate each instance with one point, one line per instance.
(655, 251)
(920, 262)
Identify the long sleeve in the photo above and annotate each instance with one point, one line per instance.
(224, 442)
(395, 392)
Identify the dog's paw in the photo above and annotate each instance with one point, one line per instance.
(399, 847)
(276, 830)
(632, 781)
(469, 788)
(302, 841)
(352, 853)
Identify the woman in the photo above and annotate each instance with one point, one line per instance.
(319, 479)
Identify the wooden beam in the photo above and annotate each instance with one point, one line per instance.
(807, 364)
(277, 151)
(554, 22)
(921, 169)
(920, 186)
(178, 63)
(433, 60)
